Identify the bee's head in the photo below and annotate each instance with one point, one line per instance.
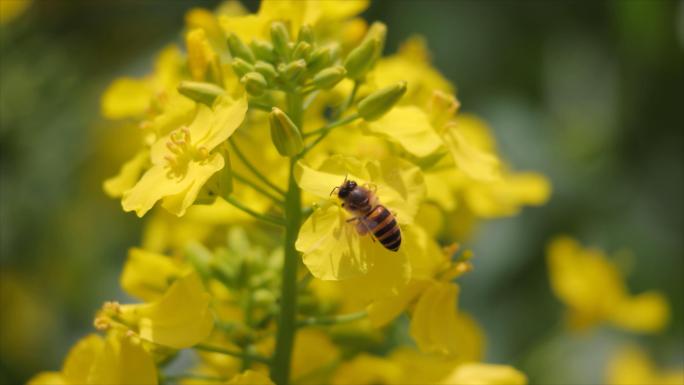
(347, 187)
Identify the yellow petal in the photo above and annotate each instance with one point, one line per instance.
(419, 368)
(81, 358)
(474, 162)
(646, 312)
(410, 127)
(385, 310)
(583, 279)
(147, 275)
(198, 174)
(200, 53)
(126, 98)
(485, 374)
(128, 175)
(313, 350)
(332, 248)
(250, 377)
(123, 362)
(225, 117)
(180, 319)
(400, 185)
(632, 366)
(505, 196)
(48, 378)
(367, 369)
(155, 184)
(434, 325)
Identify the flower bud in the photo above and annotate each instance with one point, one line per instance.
(291, 72)
(241, 67)
(238, 49)
(329, 77)
(263, 50)
(301, 50)
(306, 34)
(378, 31)
(267, 70)
(280, 37)
(255, 83)
(360, 59)
(285, 134)
(322, 57)
(200, 92)
(375, 105)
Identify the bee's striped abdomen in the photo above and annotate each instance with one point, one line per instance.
(382, 224)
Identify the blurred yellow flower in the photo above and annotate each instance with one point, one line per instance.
(631, 366)
(134, 98)
(183, 161)
(11, 9)
(485, 374)
(594, 290)
(115, 359)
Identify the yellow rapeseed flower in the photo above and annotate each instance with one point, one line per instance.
(594, 290)
(179, 319)
(184, 160)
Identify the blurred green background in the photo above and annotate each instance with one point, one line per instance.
(589, 93)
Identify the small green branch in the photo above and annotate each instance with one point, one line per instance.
(258, 189)
(233, 353)
(263, 217)
(350, 99)
(259, 106)
(332, 125)
(326, 130)
(253, 169)
(333, 320)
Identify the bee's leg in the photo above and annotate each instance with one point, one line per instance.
(362, 229)
(352, 219)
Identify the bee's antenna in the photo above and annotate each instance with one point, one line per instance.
(333, 190)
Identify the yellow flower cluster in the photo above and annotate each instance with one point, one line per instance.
(243, 135)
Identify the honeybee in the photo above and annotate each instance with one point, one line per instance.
(369, 214)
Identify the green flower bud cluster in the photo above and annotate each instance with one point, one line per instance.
(284, 63)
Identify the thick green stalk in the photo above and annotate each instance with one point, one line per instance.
(287, 324)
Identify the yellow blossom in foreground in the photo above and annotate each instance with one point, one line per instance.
(594, 290)
(179, 319)
(332, 248)
(183, 160)
(631, 366)
(116, 359)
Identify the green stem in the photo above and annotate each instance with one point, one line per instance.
(348, 102)
(233, 353)
(265, 218)
(326, 130)
(253, 169)
(258, 188)
(333, 320)
(332, 125)
(287, 327)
